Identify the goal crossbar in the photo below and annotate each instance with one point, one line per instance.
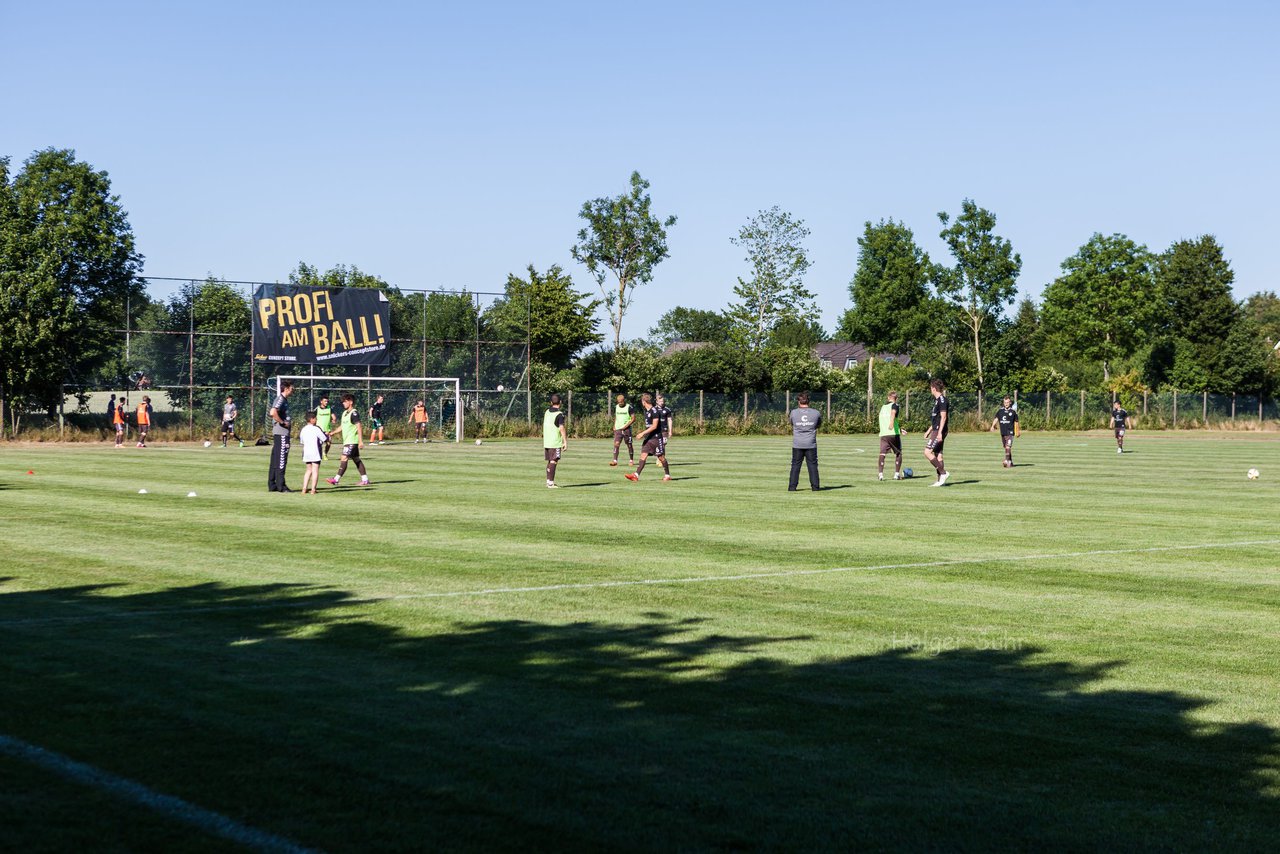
(348, 382)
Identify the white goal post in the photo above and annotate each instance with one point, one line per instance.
(381, 385)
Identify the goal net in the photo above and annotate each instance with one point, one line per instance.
(440, 395)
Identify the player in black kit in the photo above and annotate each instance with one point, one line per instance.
(1007, 420)
(1120, 421)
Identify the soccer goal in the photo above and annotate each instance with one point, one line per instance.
(442, 397)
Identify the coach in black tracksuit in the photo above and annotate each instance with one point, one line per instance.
(280, 439)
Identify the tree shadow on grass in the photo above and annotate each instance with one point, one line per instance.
(289, 708)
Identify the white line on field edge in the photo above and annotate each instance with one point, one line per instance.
(636, 582)
(166, 805)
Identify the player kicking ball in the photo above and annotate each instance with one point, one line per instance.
(890, 437)
(654, 439)
(1120, 421)
(1006, 421)
(352, 441)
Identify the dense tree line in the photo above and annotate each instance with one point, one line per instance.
(1119, 317)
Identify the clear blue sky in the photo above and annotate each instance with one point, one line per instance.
(445, 145)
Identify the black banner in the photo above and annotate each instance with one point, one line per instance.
(293, 324)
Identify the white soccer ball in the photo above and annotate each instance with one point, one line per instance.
(500, 388)
(208, 444)
(191, 495)
(478, 442)
(142, 492)
(1253, 474)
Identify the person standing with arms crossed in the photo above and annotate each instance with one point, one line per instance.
(804, 442)
(938, 427)
(280, 425)
(555, 438)
(891, 436)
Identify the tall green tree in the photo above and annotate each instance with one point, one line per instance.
(797, 333)
(622, 239)
(984, 278)
(890, 290)
(218, 356)
(691, 324)
(1195, 280)
(557, 320)
(775, 291)
(68, 265)
(1264, 308)
(1105, 303)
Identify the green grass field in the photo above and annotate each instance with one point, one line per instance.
(1080, 652)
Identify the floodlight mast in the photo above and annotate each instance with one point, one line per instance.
(368, 381)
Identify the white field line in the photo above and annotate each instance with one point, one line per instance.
(166, 805)
(307, 602)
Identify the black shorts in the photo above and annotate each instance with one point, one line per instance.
(228, 426)
(552, 454)
(655, 446)
(142, 428)
(935, 445)
(375, 424)
(1006, 439)
(120, 428)
(1119, 432)
(891, 445)
(623, 435)
(351, 452)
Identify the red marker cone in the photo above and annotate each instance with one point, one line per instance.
(29, 471)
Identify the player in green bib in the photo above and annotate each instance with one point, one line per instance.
(324, 420)
(555, 438)
(623, 418)
(352, 441)
(891, 436)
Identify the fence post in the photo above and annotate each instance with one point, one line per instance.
(828, 403)
(1259, 410)
(907, 407)
(1233, 407)
(1048, 408)
(744, 407)
(568, 418)
(788, 400)
(1175, 409)
(1082, 407)
(1144, 401)
(1204, 409)
(979, 406)
(700, 419)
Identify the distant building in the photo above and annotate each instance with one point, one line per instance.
(846, 355)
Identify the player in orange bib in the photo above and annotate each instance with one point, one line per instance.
(144, 421)
(420, 422)
(120, 419)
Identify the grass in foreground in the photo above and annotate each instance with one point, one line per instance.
(1014, 670)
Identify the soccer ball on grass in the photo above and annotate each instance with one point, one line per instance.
(1253, 474)
(208, 444)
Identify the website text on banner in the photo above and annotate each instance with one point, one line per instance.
(293, 324)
